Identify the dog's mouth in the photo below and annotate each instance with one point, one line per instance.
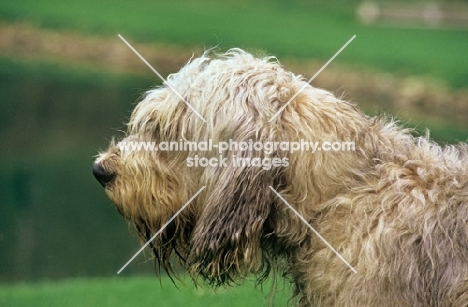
(103, 176)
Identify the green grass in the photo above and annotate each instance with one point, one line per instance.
(131, 292)
(294, 28)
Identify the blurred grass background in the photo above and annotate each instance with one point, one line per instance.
(129, 292)
(67, 84)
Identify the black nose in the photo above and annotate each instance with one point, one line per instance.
(103, 176)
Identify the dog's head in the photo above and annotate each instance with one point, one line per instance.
(227, 230)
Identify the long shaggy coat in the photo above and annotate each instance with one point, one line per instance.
(395, 207)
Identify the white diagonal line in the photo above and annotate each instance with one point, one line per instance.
(313, 77)
(315, 231)
(162, 78)
(162, 228)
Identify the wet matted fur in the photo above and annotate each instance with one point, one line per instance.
(396, 208)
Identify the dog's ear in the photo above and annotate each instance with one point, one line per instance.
(227, 238)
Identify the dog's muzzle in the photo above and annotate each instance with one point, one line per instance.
(104, 177)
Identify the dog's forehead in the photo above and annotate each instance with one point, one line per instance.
(233, 61)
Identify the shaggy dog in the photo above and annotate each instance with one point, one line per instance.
(395, 207)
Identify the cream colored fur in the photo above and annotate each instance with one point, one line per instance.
(396, 208)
